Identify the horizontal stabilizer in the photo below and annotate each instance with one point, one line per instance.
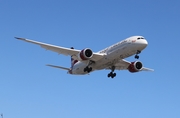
(59, 67)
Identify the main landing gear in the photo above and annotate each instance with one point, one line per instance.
(87, 68)
(112, 74)
(137, 56)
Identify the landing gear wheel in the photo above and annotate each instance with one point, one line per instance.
(136, 57)
(109, 75)
(87, 69)
(112, 75)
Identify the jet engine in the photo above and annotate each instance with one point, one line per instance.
(85, 54)
(135, 66)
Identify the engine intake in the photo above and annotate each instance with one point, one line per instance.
(85, 54)
(135, 66)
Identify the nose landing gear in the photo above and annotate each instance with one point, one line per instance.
(137, 56)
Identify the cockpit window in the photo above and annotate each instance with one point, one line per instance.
(140, 38)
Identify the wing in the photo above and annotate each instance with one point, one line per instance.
(62, 50)
(123, 65)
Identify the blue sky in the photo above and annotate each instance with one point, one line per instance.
(30, 89)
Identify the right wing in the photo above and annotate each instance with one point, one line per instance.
(123, 65)
(62, 50)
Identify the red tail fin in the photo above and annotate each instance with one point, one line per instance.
(72, 60)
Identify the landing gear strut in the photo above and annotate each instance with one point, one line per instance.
(112, 74)
(137, 56)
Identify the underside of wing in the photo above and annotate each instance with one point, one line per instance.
(54, 48)
(135, 66)
(120, 65)
(76, 54)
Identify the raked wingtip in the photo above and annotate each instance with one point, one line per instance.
(19, 38)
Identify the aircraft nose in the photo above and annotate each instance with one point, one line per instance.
(143, 43)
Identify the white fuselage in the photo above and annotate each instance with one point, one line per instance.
(113, 54)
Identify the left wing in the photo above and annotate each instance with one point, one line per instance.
(62, 50)
(123, 65)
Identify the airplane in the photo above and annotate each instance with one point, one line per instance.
(111, 58)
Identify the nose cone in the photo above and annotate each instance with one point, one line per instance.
(142, 43)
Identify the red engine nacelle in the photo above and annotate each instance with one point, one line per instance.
(135, 66)
(85, 54)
